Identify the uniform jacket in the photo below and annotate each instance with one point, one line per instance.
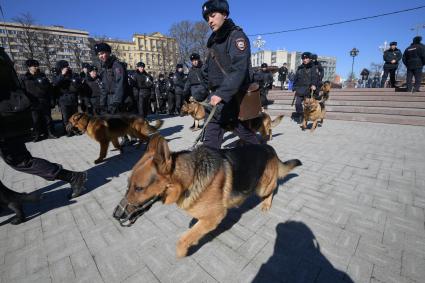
(283, 72)
(414, 56)
(231, 48)
(390, 55)
(67, 88)
(39, 87)
(306, 75)
(179, 81)
(114, 80)
(195, 84)
(144, 83)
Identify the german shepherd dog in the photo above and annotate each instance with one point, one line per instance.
(106, 129)
(262, 124)
(314, 107)
(14, 201)
(203, 182)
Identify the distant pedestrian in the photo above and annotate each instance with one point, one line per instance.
(291, 77)
(283, 73)
(391, 57)
(364, 78)
(414, 59)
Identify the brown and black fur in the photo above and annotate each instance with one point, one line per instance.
(206, 183)
(314, 111)
(263, 124)
(106, 129)
(14, 201)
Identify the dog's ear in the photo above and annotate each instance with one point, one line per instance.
(162, 156)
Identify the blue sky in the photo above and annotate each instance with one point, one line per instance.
(120, 19)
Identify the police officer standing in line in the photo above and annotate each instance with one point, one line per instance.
(319, 68)
(93, 88)
(195, 84)
(391, 58)
(283, 72)
(114, 79)
(264, 78)
(13, 149)
(227, 71)
(144, 84)
(161, 94)
(171, 94)
(38, 86)
(414, 59)
(68, 86)
(306, 80)
(85, 70)
(179, 81)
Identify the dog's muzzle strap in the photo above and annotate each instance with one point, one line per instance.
(139, 211)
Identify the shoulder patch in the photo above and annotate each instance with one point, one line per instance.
(118, 71)
(241, 43)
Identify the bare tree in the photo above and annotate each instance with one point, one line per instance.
(168, 55)
(191, 37)
(47, 49)
(376, 68)
(28, 37)
(77, 51)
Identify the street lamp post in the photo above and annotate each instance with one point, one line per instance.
(417, 28)
(353, 53)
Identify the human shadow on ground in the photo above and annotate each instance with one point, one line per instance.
(233, 216)
(97, 176)
(297, 258)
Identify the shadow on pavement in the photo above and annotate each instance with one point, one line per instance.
(297, 258)
(233, 216)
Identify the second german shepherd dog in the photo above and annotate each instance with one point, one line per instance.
(203, 182)
(106, 129)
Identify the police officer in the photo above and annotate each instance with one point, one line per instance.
(195, 84)
(227, 70)
(38, 86)
(161, 93)
(283, 72)
(171, 95)
(93, 88)
(84, 70)
(13, 149)
(265, 80)
(68, 86)
(144, 84)
(179, 81)
(306, 80)
(319, 68)
(391, 57)
(114, 79)
(414, 59)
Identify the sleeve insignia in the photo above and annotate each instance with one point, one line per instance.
(241, 44)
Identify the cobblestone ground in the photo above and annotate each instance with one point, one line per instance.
(354, 212)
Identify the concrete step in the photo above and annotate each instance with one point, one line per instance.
(395, 104)
(363, 117)
(372, 97)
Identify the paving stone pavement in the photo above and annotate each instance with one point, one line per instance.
(354, 212)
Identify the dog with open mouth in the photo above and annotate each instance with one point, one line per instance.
(203, 182)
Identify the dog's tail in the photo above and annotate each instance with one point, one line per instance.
(287, 166)
(277, 121)
(154, 128)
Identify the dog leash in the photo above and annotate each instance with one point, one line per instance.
(201, 134)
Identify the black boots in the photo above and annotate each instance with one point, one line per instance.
(75, 179)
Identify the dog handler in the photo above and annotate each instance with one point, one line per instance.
(227, 71)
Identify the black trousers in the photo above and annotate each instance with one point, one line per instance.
(15, 154)
(42, 119)
(179, 102)
(417, 73)
(214, 132)
(67, 111)
(86, 105)
(385, 76)
(144, 105)
(171, 103)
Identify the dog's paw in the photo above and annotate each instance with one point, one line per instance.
(17, 220)
(265, 207)
(97, 161)
(181, 249)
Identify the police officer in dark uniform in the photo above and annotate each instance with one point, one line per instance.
(68, 86)
(195, 84)
(179, 81)
(264, 78)
(93, 88)
(414, 59)
(13, 149)
(319, 68)
(171, 107)
(391, 57)
(283, 72)
(306, 80)
(227, 71)
(144, 84)
(114, 79)
(161, 94)
(84, 72)
(39, 87)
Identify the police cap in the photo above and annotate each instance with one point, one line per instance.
(91, 68)
(417, 39)
(61, 64)
(313, 56)
(178, 66)
(393, 43)
(140, 64)
(264, 65)
(212, 6)
(195, 56)
(32, 63)
(306, 55)
(102, 47)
